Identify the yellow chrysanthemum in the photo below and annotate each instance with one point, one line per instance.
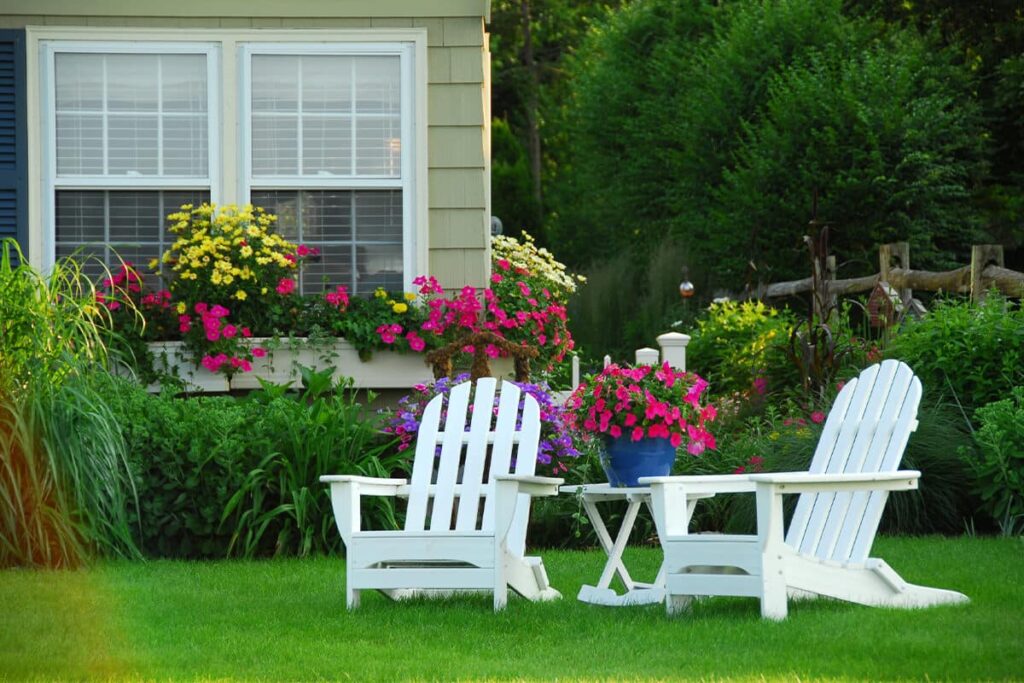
(241, 295)
(380, 293)
(400, 308)
(181, 308)
(153, 263)
(409, 296)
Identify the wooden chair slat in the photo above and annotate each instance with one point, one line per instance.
(473, 471)
(451, 455)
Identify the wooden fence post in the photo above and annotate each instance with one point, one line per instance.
(900, 253)
(982, 256)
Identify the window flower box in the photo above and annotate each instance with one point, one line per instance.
(383, 370)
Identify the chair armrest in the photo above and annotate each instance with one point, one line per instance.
(370, 486)
(533, 485)
(801, 482)
(710, 483)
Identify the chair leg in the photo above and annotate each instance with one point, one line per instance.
(773, 598)
(500, 596)
(675, 604)
(352, 597)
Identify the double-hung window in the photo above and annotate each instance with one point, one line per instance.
(321, 133)
(131, 136)
(326, 149)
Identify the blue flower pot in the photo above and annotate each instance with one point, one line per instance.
(625, 461)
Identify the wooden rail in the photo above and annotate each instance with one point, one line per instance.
(986, 271)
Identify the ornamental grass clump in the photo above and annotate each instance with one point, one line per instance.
(65, 483)
(644, 402)
(555, 452)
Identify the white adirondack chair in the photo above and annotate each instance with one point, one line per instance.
(825, 551)
(468, 508)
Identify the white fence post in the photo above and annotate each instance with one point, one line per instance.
(646, 356)
(673, 349)
(575, 372)
(607, 361)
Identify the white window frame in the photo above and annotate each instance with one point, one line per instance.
(406, 182)
(52, 183)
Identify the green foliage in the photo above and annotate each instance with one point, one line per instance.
(999, 466)
(64, 483)
(222, 477)
(972, 353)
(735, 343)
(624, 307)
(716, 122)
(511, 185)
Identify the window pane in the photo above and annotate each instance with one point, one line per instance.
(327, 83)
(184, 83)
(79, 144)
(132, 83)
(108, 224)
(185, 146)
(132, 147)
(131, 114)
(379, 146)
(326, 145)
(275, 83)
(79, 82)
(275, 142)
(336, 222)
(326, 114)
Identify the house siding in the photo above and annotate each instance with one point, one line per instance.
(458, 220)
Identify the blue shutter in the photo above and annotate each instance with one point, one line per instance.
(13, 142)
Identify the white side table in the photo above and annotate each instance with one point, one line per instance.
(637, 593)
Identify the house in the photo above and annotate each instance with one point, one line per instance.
(363, 124)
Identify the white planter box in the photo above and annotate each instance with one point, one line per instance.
(384, 370)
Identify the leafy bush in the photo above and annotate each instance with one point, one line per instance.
(218, 476)
(999, 466)
(972, 353)
(737, 344)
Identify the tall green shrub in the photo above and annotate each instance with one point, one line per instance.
(717, 122)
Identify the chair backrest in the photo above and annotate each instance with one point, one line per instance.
(866, 431)
(452, 490)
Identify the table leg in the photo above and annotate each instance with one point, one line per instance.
(636, 593)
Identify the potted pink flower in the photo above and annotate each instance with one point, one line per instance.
(643, 415)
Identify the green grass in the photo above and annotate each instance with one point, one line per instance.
(285, 620)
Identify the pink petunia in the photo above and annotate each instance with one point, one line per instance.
(259, 352)
(285, 286)
(615, 431)
(219, 311)
(638, 433)
(229, 331)
(817, 417)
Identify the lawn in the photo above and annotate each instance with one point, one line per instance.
(285, 619)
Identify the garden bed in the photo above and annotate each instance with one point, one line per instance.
(382, 370)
